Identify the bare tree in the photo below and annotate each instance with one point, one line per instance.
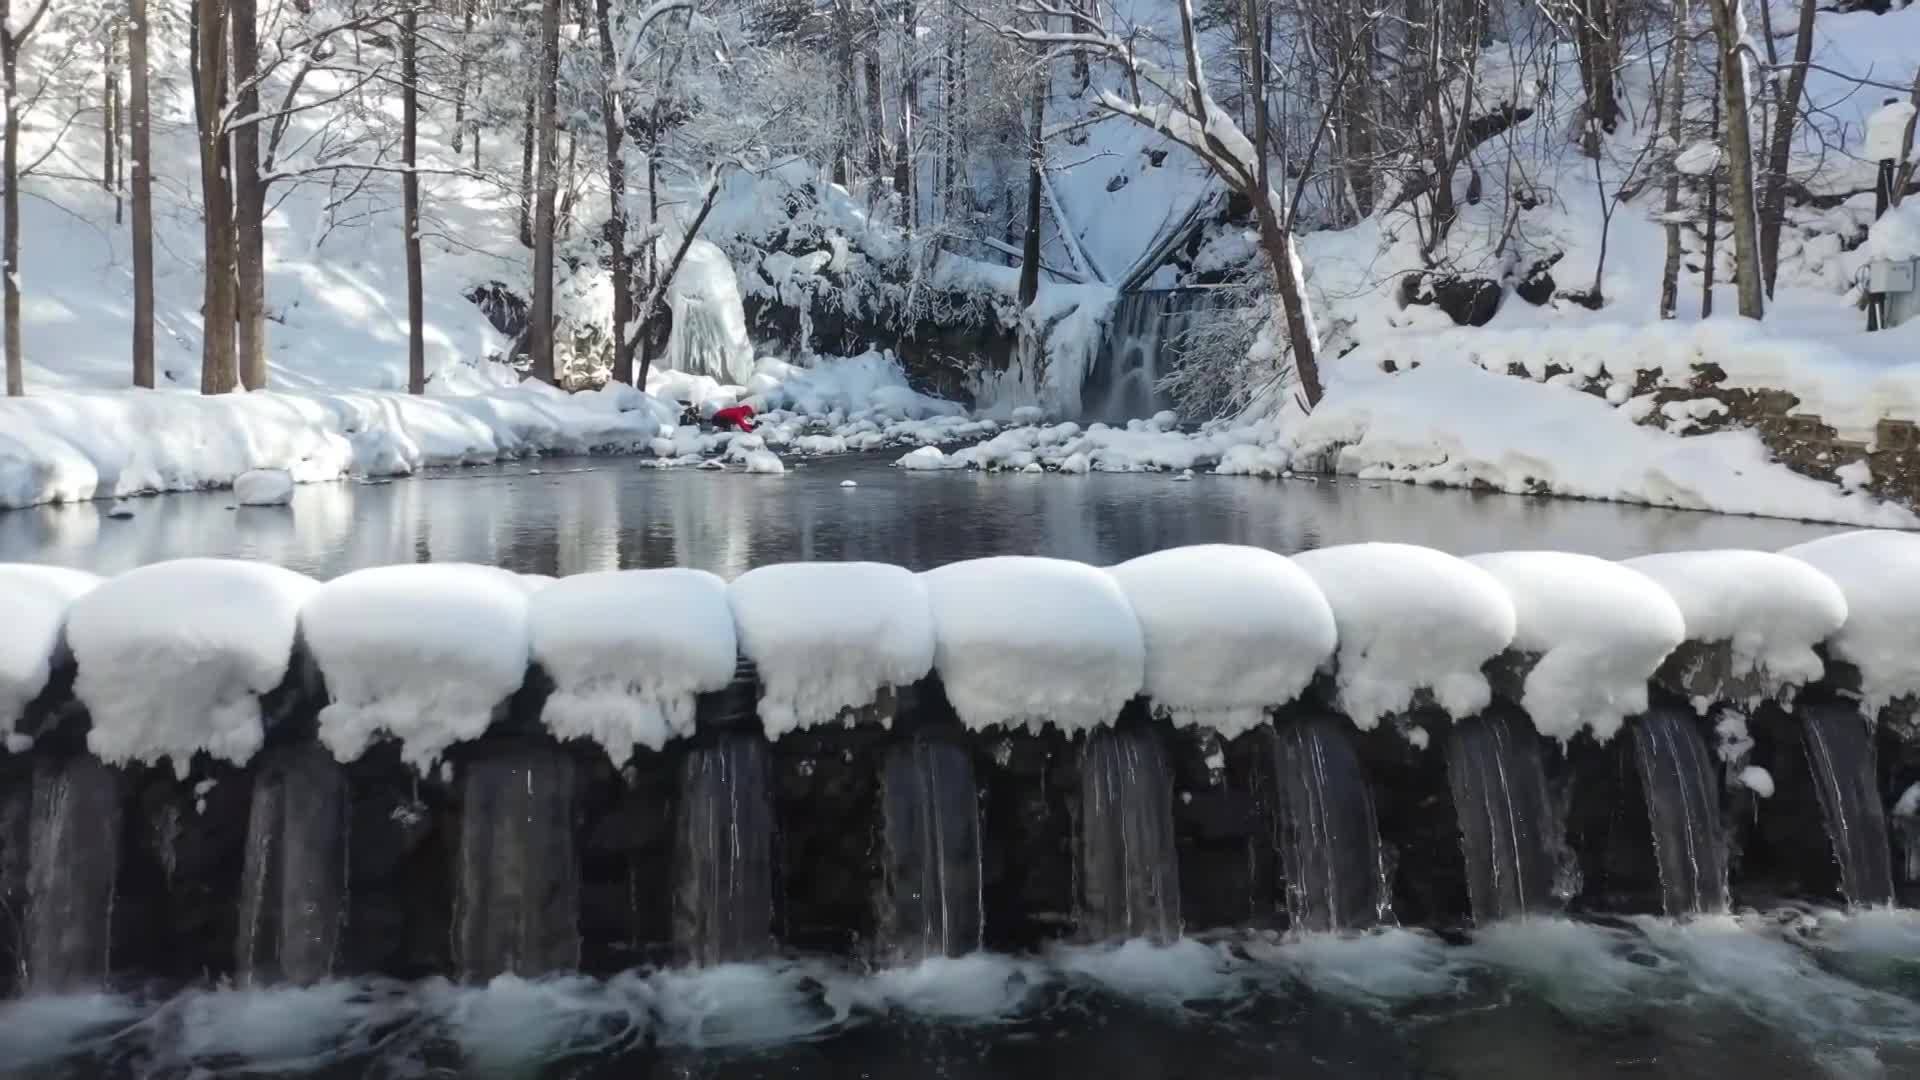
(1739, 143)
(1672, 105)
(540, 328)
(1773, 199)
(410, 195)
(139, 123)
(217, 374)
(249, 199)
(12, 40)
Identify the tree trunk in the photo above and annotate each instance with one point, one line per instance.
(876, 120)
(540, 328)
(1596, 38)
(138, 124)
(112, 122)
(652, 256)
(217, 375)
(843, 91)
(1036, 160)
(249, 201)
(10, 72)
(1773, 200)
(527, 141)
(1740, 190)
(614, 122)
(460, 80)
(1671, 108)
(905, 162)
(410, 194)
(1710, 270)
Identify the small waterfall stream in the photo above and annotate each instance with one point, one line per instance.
(723, 860)
(516, 881)
(1677, 772)
(931, 900)
(1844, 763)
(293, 890)
(1137, 350)
(1329, 839)
(1506, 819)
(73, 862)
(1129, 882)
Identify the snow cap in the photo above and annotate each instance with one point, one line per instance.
(1600, 630)
(1879, 574)
(628, 651)
(1025, 640)
(1770, 609)
(173, 657)
(37, 599)
(826, 637)
(422, 653)
(1410, 619)
(1230, 632)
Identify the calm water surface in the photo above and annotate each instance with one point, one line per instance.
(561, 516)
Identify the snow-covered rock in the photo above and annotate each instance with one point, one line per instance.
(1757, 780)
(628, 650)
(1230, 632)
(1599, 630)
(1031, 641)
(827, 637)
(1887, 129)
(1879, 574)
(927, 459)
(31, 634)
(173, 657)
(1410, 619)
(263, 487)
(1771, 610)
(421, 653)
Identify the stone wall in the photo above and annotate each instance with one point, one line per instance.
(1800, 440)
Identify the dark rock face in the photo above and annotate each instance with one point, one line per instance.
(1468, 301)
(940, 358)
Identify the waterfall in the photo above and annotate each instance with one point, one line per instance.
(293, 894)
(930, 903)
(516, 880)
(1677, 773)
(1136, 351)
(1845, 767)
(1129, 879)
(723, 859)
(73, 858)
(1328, 838)
(1506, 821)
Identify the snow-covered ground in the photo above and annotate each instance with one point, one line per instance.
(172, 658)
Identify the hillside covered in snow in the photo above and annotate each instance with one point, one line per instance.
(1654, 224)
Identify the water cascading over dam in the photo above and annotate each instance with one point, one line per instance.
(710, 842)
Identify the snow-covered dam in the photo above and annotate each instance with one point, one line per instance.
(221, 769)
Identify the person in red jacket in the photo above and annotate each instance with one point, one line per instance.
(739, 417)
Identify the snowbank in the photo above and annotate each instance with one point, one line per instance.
(628, 650)
(1599, 630)
(421, 653)
(31, 635)
(1771, 610)
(827, 637)
(1024, 640)
(173, 657)
(263, 487)
(73, 445)
(1410, 619)
(1879, 574)
(1230, 632)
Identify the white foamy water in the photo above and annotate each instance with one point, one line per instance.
(1838, 987)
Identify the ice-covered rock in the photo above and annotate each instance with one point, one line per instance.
(1410, 619)
(827, 637)
(1230, 632)
(1598, 629)
(420, 653)
(928, 458)
(32, 633)
(1879, 574)
(628, 651)
(263, 487)
(1030, 641)
(1770, 610)
(173, 657)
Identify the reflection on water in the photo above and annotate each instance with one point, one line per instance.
(561, 516)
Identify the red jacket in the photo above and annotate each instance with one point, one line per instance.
(740, 416)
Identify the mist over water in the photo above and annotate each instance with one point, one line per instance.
(1786, 994)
